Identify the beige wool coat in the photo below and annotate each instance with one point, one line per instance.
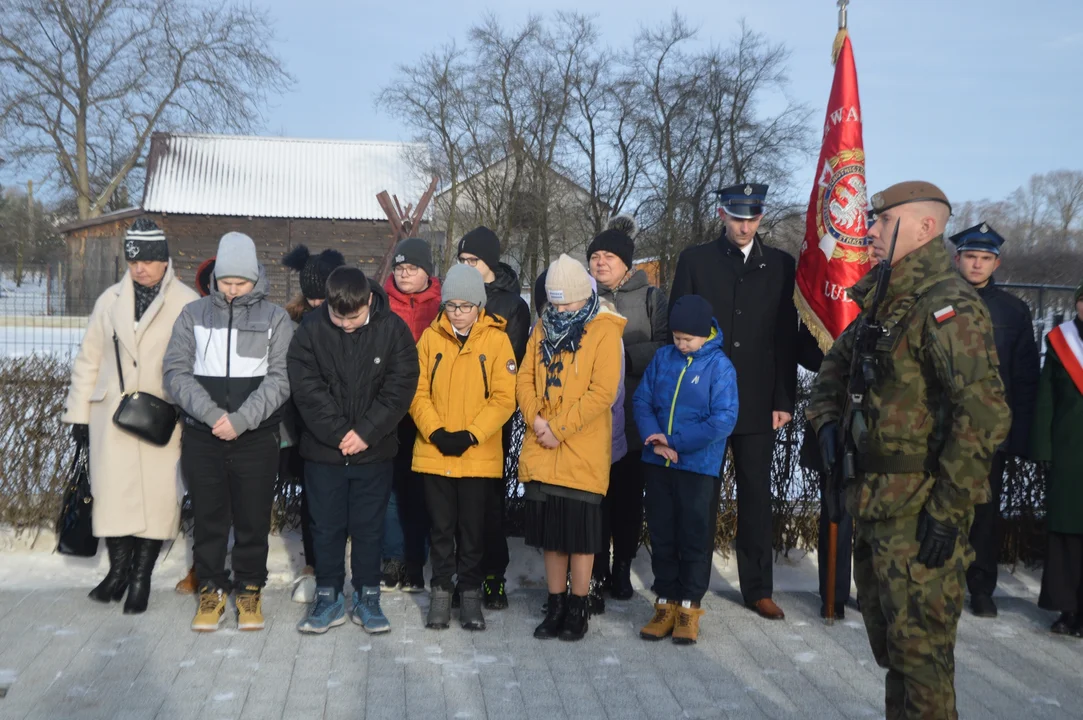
(134, 483)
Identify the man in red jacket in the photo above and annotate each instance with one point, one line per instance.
(414, 295)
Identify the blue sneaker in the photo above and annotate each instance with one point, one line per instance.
(327, 612)
(366, 612)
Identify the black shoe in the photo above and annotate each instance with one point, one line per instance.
(413, 580)
(555, 610)
(1077, 631)
(1065, 624)
(622, 580)
(575, 623)
(113, 587)
(143, 559)
(595, 599)
(495, 596)
(439, 617)
(840, 611)
(983, 606)
(391, 575)
(470, 616)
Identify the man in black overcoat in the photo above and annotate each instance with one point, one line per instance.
(977, 255)
(750, 287)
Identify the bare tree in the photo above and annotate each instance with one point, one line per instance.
(84, 84)
(1064, 197)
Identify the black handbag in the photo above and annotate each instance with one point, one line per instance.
(146, 416)
(74, 532)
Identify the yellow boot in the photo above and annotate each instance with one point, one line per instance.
(212, 610)
(661, 625)
(686, 630)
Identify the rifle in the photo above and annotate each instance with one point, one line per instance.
(855, 429)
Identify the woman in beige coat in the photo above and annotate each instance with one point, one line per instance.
(134, 483)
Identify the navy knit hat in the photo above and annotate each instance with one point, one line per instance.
(482, 242)
(617, 238)
(692, 315)
(145, 241)
(313, 269)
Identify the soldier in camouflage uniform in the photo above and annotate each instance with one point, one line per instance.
(936, 413)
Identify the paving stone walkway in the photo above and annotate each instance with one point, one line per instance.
(62, 656)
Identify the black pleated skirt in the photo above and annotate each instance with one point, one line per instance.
(564, 525)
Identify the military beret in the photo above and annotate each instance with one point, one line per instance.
(980, 237)
(743, 201)
(908, 192)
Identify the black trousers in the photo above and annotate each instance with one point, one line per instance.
(622, 510)
(843, 552)
(348, 501)
(679, 520)
(1062, 577)
(981, 577)
(495, 557)
(410, 490)
(291, 470)
(231, 484)
(457, 513)
(752, 466)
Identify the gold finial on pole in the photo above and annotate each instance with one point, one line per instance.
(840, 36)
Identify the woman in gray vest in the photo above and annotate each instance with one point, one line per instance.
(644, 305)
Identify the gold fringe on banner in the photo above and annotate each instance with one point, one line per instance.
(812, 322)
(836, 47)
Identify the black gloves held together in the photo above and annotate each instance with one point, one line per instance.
(828, 438)
(452, 444)
(80, 433)
(937, 541)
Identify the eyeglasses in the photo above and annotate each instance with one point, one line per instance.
(471, 261)
(462, 309)
(406, 270)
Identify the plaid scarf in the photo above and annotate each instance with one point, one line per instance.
(563, 332)
(144, 296)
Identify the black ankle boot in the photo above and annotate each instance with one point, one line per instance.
(622, 580)
(112, 588)
(1064, 624)
(146, 553)
(595, 598)
(575, 624)
(555, 610)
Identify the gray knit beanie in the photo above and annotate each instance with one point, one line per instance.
(464, 283)
(236, 257)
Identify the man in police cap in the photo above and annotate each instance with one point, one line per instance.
(750, 288)
(935, 413)
(977, 255)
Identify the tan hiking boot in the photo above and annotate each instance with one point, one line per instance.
(686, 630)
(249, 608)
(189, 584)
(661, 625)
(212, 610)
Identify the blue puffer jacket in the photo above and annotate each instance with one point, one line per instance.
(692, 400)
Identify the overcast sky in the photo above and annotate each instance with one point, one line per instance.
(975, 95)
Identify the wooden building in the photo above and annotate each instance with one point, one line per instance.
(280, 191)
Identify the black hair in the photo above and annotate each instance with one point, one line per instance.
(347, 290)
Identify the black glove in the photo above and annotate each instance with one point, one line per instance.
(458, 443)
(439, 438)
(937, 541)
(80, 433)
(828, 438)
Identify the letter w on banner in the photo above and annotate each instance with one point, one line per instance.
(834, 255)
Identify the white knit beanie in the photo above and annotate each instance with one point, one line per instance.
(567, 281)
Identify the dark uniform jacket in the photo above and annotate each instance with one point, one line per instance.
(753, 303)
(362, 381)
(1013, 331)
(503, 298)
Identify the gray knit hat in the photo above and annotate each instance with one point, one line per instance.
(236, 257)
(464, 283)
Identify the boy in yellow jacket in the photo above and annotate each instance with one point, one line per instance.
(465, 394)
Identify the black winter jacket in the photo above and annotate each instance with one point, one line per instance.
(503, 297)
(753, 304)
(362, 381)
(1013, 332)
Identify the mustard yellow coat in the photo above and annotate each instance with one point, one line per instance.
(579, 410)
(469, 387)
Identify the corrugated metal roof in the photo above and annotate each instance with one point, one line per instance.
(278, 177)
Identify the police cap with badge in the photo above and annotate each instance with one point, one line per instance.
(980, 237)
(743, 201)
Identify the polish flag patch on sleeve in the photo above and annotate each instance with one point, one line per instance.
(944, 314)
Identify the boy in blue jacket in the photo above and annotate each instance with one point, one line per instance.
(686, 408)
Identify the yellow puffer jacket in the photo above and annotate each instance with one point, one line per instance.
(468, 387)
(579, 410)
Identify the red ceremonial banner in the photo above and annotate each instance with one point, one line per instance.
(834, 255)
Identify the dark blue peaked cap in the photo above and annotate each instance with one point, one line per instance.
(744, 201)
(980, 237)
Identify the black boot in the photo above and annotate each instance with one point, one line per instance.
(112, 588)
(146, 553)
(1064, 624)
(555, 610)
(575, 624)
(622, 580)
(595, 599)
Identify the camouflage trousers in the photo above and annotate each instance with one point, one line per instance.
(911, 614)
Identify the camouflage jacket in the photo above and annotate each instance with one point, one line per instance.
(938, 394)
